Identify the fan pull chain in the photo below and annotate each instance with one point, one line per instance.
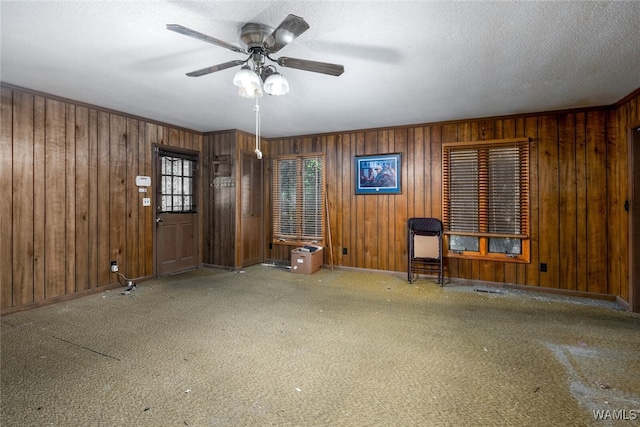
(257, 111)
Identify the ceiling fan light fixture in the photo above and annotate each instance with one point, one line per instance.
(276, 84)
(246, 78)
(284, 37)
(251, 91)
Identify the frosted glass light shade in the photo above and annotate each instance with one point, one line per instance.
(245, 77)
(276, 84)
(250, 91)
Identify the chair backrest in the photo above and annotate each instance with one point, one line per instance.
(430, 226)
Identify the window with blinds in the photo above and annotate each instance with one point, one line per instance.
(486, 199)
(298, 198)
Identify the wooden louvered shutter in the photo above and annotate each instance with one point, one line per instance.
(507, 190)
(486, 196)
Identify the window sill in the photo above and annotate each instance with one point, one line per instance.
(492, 257)
(297, 243)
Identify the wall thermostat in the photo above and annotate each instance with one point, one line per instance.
(143, 181)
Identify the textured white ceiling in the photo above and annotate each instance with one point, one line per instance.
(406, 62)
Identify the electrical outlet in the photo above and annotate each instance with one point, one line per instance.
(114, 266)
(344, 251)
(543, 267)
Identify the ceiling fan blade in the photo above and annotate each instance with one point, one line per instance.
(287, 31)
(316, 67)
(215, 68)
(196, 35)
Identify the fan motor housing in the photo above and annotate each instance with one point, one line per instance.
(257, 35)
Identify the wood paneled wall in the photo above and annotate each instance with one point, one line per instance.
(222, 226)
(69, 200)
(578, 189)
(70, 204)
(219, 210)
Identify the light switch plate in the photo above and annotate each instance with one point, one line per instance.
(146, 201)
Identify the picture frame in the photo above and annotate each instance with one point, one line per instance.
(378, 174)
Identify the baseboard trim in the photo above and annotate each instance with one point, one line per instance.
(525, 288)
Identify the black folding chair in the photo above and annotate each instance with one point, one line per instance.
(425, 247)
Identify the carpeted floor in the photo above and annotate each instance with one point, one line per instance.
(265, 347)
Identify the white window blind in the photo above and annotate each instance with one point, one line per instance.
(298, 198)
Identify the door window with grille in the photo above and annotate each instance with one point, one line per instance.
(177, 183)
(486, 199)
(298, 198)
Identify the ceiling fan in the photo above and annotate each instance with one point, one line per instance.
(261, 42)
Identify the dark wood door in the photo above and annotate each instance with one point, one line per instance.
(251, 226)
(176, 243)
(634, 223)
(176, 248)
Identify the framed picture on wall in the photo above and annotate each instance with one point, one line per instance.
(378, 174)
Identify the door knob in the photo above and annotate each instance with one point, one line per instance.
(159, 219)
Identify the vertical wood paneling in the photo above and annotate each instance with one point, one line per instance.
(632, 119)
(267, 200)
(22, 200)
(146, 217)
(151, 139)
(74, 205)
(39, 199)
(82, 194)
(418, 174)
(370, 217)
(104, 255)
(433, 195)
(70, 202)
(624, 122)
(236, 236)
(6, 207)
(55, 206)
(359, 212)
(207, 190)
(581, 201)
(596, 203)
(398, 243)
(571, 163)
(337, 206)
(353, 203)
(133, 201)
(568, 197)
(331, 195)
(615, 206)
(345, 200)
(93, 241)
(548, 197)
(118, 191)
(220, 212)
(382, 213)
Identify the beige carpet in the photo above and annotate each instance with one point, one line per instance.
(267, 347)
